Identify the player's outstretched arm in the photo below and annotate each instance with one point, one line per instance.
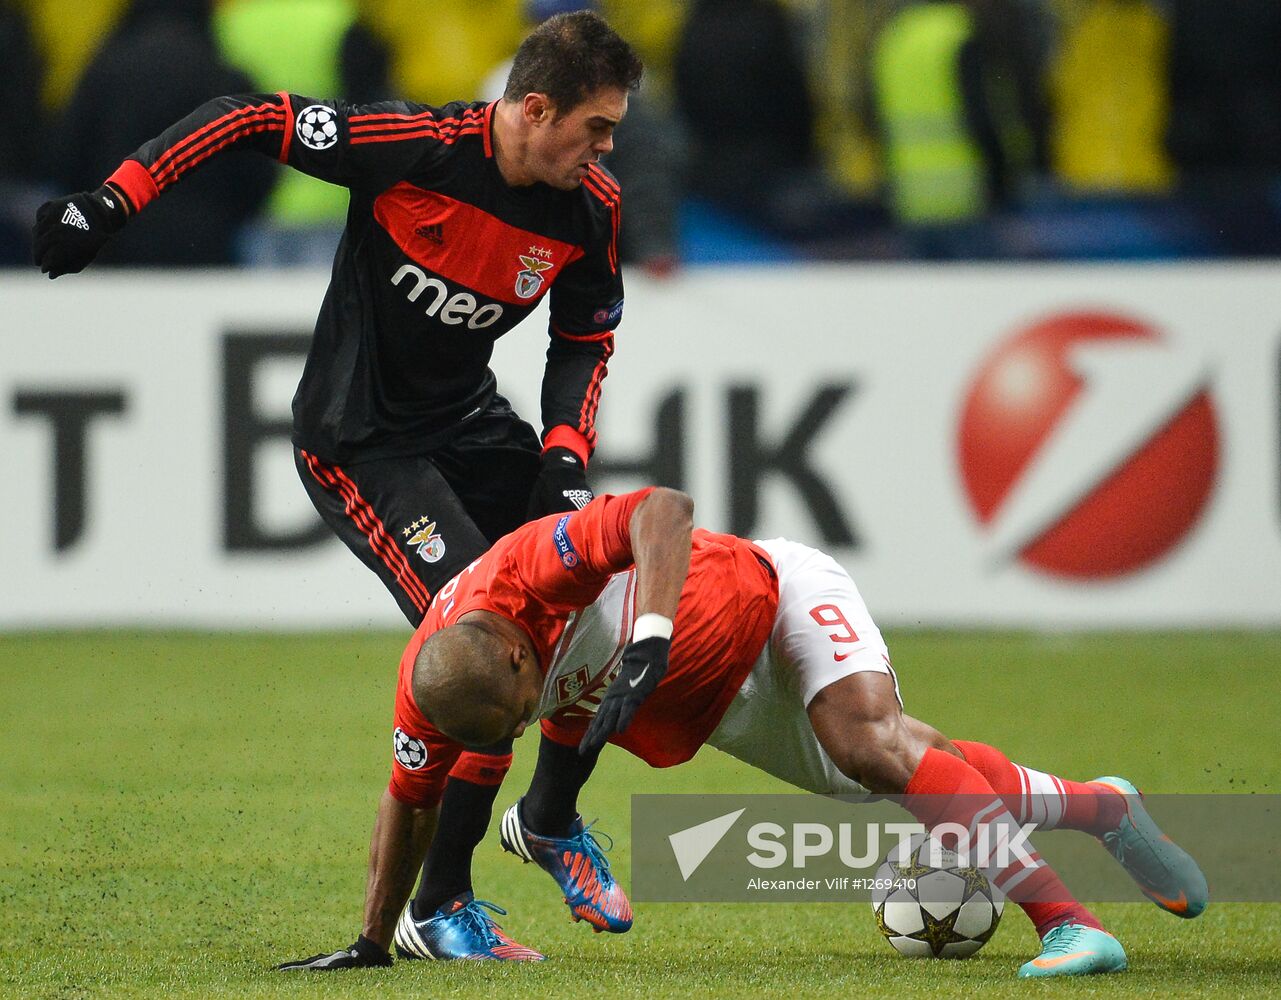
(586, 308)
(402, 834)
(401, 837)
(336, 142)
(662, 536)
(71, 230)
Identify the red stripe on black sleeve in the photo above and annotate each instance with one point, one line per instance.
(190, 142)
(609, 194)
(228, 132)
(591, 400)
(394, 128)
(251, 121)
(607, 182)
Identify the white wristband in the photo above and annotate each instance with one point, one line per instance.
(650, 625)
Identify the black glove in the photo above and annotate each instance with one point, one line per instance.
(644, 664)
(364, 954)
(561, 485)
(70, 231)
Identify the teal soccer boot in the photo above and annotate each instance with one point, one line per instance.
(1075, 950)
(1162, 869)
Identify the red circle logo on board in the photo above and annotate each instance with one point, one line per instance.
(1088, 445)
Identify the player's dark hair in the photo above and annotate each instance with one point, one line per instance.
(569, 57)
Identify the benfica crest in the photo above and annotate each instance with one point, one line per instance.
(530, 279)
(422, 535)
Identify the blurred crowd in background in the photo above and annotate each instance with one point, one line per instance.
(766, 129)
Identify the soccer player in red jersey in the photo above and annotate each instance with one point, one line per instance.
(462, 218)
(621, 623)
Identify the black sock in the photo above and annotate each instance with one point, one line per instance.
(465, 811)
(550, 805)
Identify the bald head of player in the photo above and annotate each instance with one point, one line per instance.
(478, 681)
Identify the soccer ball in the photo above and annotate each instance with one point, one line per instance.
(928, 912)
(318, 127)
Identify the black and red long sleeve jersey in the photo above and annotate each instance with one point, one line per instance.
(440, 258)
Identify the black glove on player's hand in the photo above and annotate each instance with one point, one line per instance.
(561, 485)
(644, 664)
(70, 231)
(364, 954)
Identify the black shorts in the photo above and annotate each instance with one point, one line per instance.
(419, 520)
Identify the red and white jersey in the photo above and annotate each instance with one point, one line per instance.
(568, 580)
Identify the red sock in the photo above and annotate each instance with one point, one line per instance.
(956, 793)
(1044, 799)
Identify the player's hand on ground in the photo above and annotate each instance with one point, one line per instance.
(70, 231)
(561, 485)
(364, 954)
(644, 664)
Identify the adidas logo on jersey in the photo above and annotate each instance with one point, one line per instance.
(74, 217)
(433, 231)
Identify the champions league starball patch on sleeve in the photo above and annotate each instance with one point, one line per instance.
(410, 751)
(564, 546)
(317, 127)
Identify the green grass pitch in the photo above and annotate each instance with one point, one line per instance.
(179, 812)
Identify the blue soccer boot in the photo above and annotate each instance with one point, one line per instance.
(579, 866)
(461, 929)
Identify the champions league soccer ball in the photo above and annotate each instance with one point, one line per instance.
(928, 912)
(317, 127)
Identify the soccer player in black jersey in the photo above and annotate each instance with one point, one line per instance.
(461, 219)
